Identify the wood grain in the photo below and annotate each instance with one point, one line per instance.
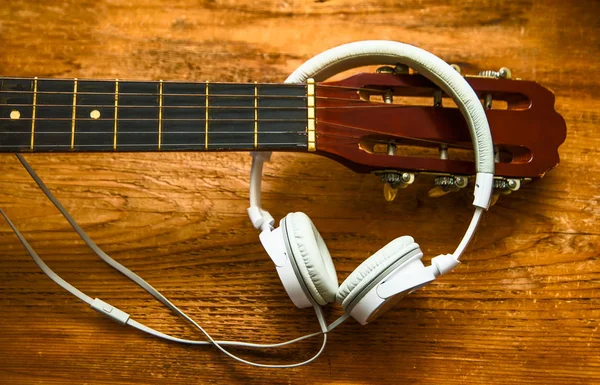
(522, 308)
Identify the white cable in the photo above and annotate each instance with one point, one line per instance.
(261, 219)
(233, 356)
(469, 233)
(114, 312)
(45, 268)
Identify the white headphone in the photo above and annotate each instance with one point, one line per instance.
(300, 255)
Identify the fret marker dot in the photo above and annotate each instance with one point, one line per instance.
(95, 114)
(14, 114)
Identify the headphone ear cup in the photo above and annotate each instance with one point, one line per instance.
(372, 268)
(311, 256)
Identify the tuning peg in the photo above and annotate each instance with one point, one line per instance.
(487, 101)
(494, 199)
(389, 192)
(399, 69)
(504, 186)
(502, 73)
(437, 191)
(393, 181)
(447, 183)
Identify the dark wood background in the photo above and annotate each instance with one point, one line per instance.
(522, 308)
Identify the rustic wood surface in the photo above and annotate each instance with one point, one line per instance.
(522, 308)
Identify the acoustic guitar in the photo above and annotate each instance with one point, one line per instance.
(394, 123)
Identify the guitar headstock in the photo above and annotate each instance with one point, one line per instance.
(399, 124)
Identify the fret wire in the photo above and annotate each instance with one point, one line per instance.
(206, 118)
(74, 114)
(255, 116)
(35, 81)
(160, 112)
(310, 116)
(116, 113)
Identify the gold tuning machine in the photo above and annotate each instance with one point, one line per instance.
(393, 181)
(448, 183)
(504, 186)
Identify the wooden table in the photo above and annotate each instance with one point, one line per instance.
(522, 308)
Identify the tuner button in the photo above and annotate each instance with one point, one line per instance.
(437, 191)
(505, 186)
(389, 192)
(393, 181)
(445, 184)
(505, 73)
(494, 199)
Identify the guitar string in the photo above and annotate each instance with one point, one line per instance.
(199, 94)
(179, 82)
(250, 144)
(195, 133)
(111, 106)
(399, 143)
(174, 82)
(38, 119)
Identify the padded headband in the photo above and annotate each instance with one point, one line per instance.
(371, 52)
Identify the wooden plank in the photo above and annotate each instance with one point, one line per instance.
(522, 308)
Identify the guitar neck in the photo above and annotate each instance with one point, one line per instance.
(40, 115)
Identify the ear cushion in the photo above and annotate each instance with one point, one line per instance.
(312, 257)
(372, 267)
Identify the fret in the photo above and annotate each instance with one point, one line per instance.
(54, 115)
(160, 110)
(178, 132)
(116, 114)
(35, 86)
(73, 114)
(95, 104)
(310, 103)
(138, 116)
(15, 125)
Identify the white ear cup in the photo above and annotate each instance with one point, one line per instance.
(312, 257)
(372, 268)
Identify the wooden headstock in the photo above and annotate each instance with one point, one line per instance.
(383, 121)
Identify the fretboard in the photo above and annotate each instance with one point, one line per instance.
(84, 115)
